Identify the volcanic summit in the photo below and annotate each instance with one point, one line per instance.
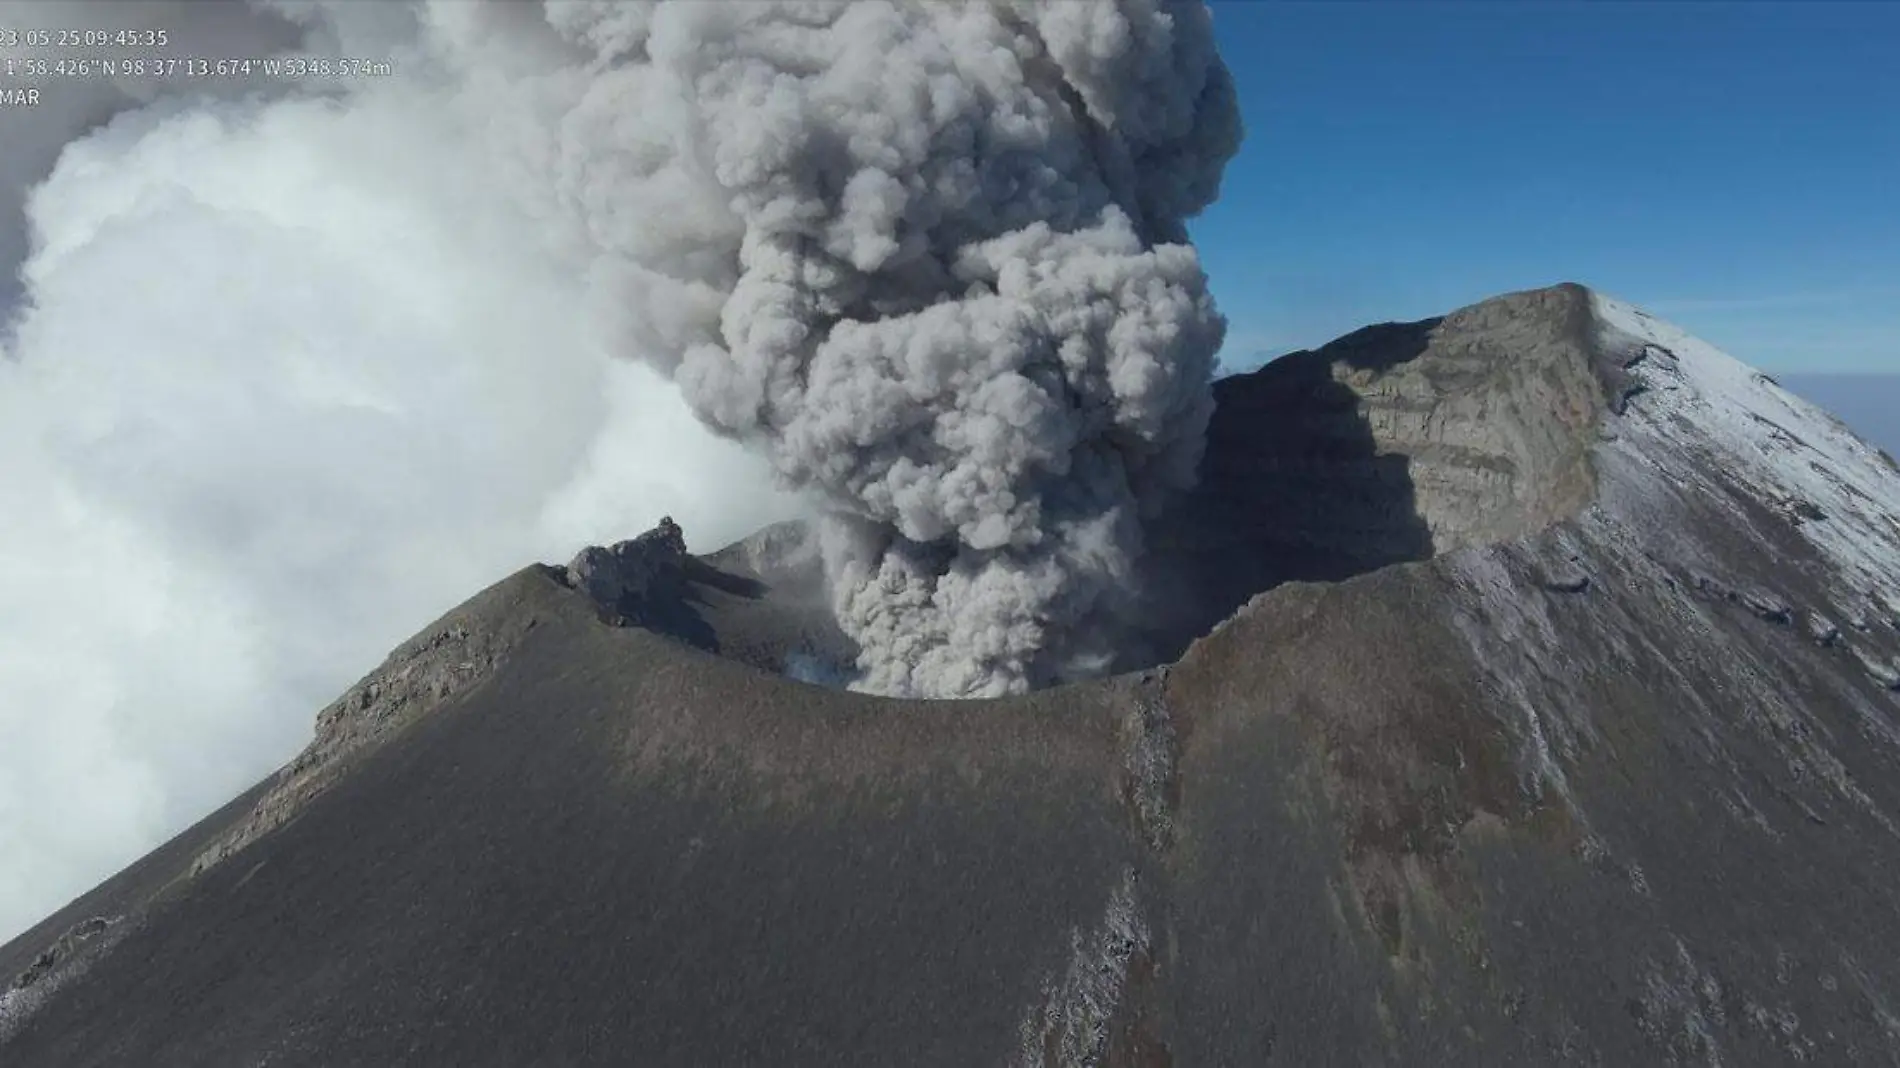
(1521, 686)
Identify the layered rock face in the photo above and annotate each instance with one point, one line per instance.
(1478, 426)
(1540, 711)
(1394, 443)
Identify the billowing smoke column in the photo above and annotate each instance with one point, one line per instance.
(928, 257)
(931, 258)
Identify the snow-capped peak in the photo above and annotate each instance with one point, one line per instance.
(1738, 431)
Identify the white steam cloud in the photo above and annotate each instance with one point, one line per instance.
(294, 367)
(292, 375)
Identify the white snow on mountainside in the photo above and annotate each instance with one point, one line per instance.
(1868, 402)
(1700, 423)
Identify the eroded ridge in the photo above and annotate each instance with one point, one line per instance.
(445, 662)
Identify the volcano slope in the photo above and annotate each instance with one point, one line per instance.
(1556, 723)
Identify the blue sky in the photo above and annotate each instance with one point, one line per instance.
(1733, 167)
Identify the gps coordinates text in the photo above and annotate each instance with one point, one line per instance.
(289, 68)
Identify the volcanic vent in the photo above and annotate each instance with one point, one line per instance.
(1397, 442)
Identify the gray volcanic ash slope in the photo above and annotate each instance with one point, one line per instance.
(1557, 723)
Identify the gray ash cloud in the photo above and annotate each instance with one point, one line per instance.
(931, 259)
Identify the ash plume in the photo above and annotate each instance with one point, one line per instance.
(930, 258)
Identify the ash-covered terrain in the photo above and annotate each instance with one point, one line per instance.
(1518, 688)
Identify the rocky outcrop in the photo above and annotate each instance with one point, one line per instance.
(639, 582)
(1405, 440)
(67, 958)
(455, 655)
(644, 582)
(1395, 443)
(62, 951)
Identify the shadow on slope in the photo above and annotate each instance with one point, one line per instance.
(1295, 487)
(1395, 443)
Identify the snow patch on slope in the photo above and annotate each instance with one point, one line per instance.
(1693, 401)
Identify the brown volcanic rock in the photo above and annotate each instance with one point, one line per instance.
(1392, 444)
(1524, 748)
